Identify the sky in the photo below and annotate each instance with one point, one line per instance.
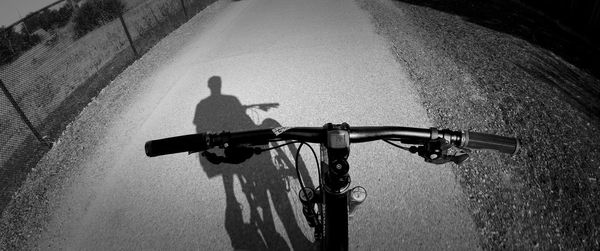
(10, 9)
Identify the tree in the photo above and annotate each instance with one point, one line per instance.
(13, 44)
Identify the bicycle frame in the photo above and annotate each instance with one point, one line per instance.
(335, 215)
(335, 181)
(333, 194)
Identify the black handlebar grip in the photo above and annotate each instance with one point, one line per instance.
(503, 144)
(185, 143)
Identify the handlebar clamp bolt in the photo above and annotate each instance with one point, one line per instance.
(433, 156)
(338, 166)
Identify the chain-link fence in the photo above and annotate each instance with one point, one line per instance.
(55, 60)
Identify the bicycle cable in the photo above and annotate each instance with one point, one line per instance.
(297, 158)
(298, 170)
(278, 146)
(399, 146)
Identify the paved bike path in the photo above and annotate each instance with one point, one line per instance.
(322, 62)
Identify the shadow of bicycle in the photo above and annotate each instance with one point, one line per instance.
(265, 179)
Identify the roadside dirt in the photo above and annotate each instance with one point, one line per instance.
(471, 77)
(27, 215)
(97, 189)
(26, 155)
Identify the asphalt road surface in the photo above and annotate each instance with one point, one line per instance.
(321, 61)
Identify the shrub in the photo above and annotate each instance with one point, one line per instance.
(95, 13)
(48, 18)
(13, 44)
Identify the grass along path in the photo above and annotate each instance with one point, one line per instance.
(475, 78)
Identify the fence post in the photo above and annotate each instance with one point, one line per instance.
(128, 36)
(6, 35)
(155, 18)
(594, 16)
(22, 115)
(184, 10)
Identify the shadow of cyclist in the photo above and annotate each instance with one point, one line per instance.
(260, 177)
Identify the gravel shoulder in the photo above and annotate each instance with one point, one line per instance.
(468, 77)
(32, 207)
(104, 196)
(471, 77)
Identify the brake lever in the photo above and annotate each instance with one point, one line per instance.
(460, 155)
(233, 154)
(440, 151)
(213, 158)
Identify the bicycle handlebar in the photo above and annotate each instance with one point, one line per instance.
(204, 141)
(185, 143)
(476, 140)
